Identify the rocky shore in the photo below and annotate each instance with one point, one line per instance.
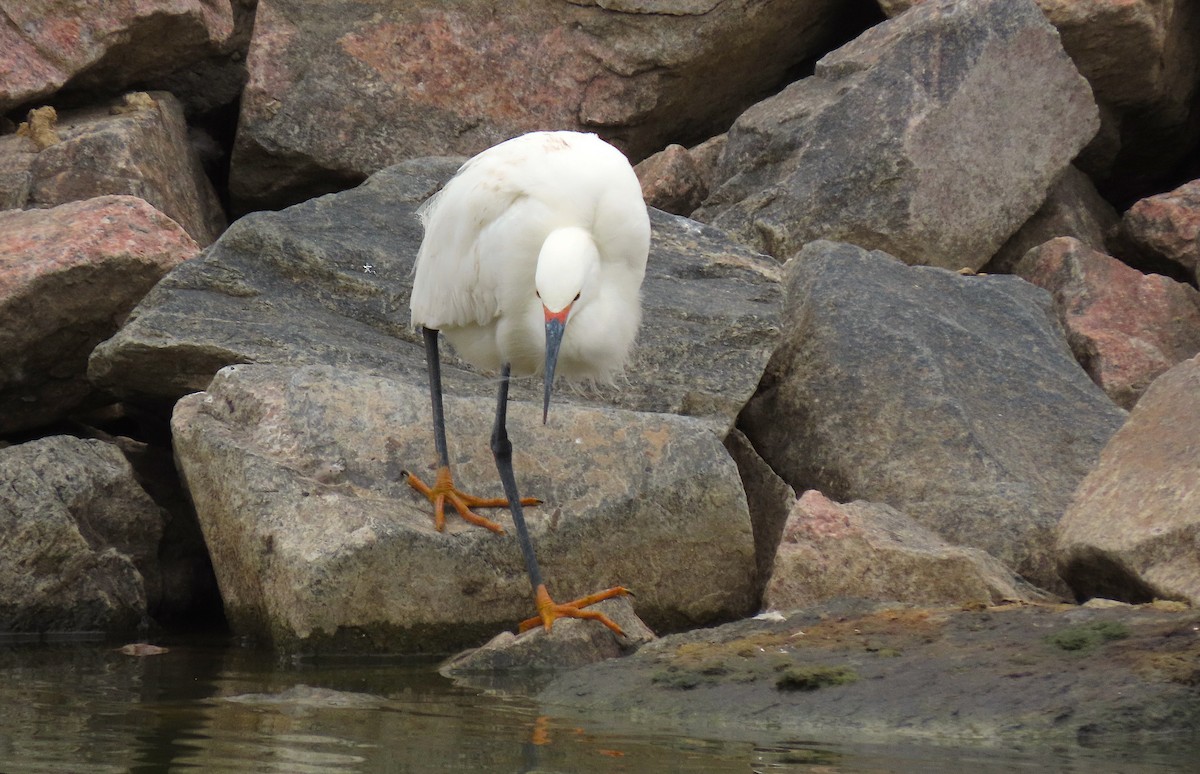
(924, 374)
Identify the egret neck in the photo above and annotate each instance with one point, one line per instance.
(567, 264)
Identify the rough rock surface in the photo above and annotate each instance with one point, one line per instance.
(1142, 61)
(1107, 679)
(1124, 327)
(570, 644)
(338, 95)
(1073, 208)
(45, 46)
(932, 136)
(78, 539)
(328, 282)
(1130, 532)
(870, 551)
(136, 146)
(672, 181)
(770, 500)
(318, 543)
(1166, 228)
(68, 277)
(953, 399)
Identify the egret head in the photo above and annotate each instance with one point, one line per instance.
(566, 264)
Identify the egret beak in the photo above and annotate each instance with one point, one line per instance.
(556, 323)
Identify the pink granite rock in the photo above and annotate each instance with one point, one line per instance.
(45, 45)
(671, 181)
(871, 551)
(1167, 227)
(1124, 327)
(137, 145)
(336, 95)
(68, 277)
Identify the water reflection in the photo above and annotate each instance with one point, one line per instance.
(90, 708)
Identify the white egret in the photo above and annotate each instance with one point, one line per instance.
(532, 263)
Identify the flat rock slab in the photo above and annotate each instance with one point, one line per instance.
(854, 672)
(318, 544)
(328, 281)
(954, 399)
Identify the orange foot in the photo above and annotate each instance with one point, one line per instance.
(549, 610)
(443, 490)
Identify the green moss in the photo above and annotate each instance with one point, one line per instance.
(678, 679)
(810, 678)
(1085, 637)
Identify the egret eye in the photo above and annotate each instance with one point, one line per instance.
(538, 293)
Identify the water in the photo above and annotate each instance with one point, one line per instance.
(85, 707)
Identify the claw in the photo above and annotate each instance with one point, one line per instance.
(549, 610)
(443, 491)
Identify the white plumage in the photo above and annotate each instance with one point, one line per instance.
(540, 219)
(532, 263)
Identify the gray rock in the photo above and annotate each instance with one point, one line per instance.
(1130, 532)
(933, 136)
(318, 543)
(870, 551)
(335, 96)
(78, 539)
(954, 399)
(1142, 61)
(328, 282)
(571, 643)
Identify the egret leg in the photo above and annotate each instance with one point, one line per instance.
(548, 609)
(443, 489)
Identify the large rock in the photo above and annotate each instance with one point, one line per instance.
(1163, 231)
(328, 282)
(68, 277)
(45, 46)
(1142, 60)
(1124, 327)
(335, 96)
(870, 551)
(78, 539)
(953, 399)
(317, 541)
(1130, 532)
(136, 146)
(932, 136)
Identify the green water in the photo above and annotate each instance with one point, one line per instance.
(85, 707)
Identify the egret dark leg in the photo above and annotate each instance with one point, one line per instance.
(433, 363)
(548, 609)
(502, 451)
(443, 489)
